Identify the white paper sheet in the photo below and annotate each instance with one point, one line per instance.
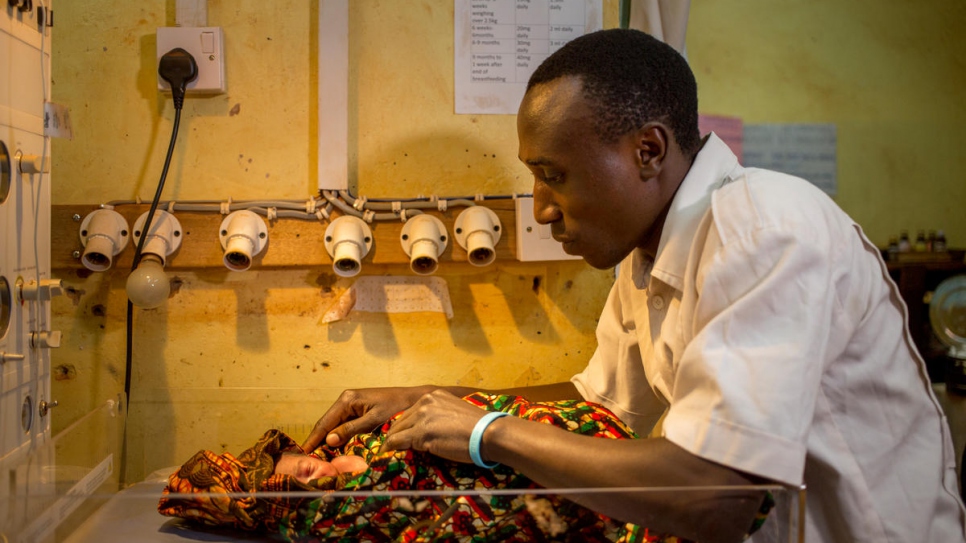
(803, 150)
(499, 43)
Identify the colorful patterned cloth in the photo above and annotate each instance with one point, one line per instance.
(516, 517)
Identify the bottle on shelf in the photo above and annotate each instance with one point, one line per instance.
(892, 252)
(931, 241)
(904, 245)
(920, 246)
(939, 245)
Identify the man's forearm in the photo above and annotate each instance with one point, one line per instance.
(555, 458)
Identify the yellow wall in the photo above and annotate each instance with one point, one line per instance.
(234, 354)
(889, 74)
(231, 355)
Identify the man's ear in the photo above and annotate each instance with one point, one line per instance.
(651, 142)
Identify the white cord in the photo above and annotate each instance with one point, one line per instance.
(43, 159)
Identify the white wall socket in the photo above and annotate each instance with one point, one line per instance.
(534, 242)
(207, 45)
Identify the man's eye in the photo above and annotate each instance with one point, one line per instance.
(552, 177)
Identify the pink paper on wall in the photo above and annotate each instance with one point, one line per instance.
(729, 129)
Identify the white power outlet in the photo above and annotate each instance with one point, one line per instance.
(534, 242)
(207, 45)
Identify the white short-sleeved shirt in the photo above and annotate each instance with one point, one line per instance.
(768, 329)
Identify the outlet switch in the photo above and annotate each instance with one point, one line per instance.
(534, 242)
(207, 45)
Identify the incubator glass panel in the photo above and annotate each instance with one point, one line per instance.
(80, 497)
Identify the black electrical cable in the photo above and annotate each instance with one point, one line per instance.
(140, 248)
(178, 68)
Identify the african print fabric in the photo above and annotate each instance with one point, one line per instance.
(441, 517)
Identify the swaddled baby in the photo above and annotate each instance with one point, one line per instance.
(276, 463)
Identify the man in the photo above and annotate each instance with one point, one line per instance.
(749, 309)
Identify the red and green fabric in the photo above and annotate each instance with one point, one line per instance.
(441, 517)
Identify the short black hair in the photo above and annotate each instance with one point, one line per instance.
(630, 78)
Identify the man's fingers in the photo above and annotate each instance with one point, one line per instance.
(340, 434)
(314, 440)
(397, 441)
(323, 429)
(337, 413)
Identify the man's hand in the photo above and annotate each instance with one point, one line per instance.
(439, 423)
(358, 411)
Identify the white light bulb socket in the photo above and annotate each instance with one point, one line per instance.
(423, 238)
(242, 234)
(104, 234)
(477, 230)
(164, 236)
(347, 240)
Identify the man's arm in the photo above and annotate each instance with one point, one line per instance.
(558, 459)
(441, 424)
(359, 411)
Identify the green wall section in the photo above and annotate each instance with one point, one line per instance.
(889, 74)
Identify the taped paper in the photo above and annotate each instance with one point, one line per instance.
(388, 294)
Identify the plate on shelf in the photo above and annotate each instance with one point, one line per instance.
(947, 314)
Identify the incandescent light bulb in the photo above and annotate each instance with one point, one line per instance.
(148, 286)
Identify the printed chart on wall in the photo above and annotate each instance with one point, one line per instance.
(499, 43)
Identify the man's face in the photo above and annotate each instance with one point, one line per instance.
(591, 193)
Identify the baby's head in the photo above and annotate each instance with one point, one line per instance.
(305, 467)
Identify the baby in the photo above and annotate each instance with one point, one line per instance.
(279, 470)
(305, 467)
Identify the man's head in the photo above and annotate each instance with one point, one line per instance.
(629, 78)
(608, 126)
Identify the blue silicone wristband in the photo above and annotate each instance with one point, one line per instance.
(476, 438)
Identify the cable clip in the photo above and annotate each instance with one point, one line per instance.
(402, 215)
(360, 203)
(226, 207)
(310, 206)
(478, 198)
(368, 215)
(321, 214)
(441, 205)
(271, 214)
(171, 207)
(396, 206)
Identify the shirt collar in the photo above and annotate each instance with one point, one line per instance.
(714, 166)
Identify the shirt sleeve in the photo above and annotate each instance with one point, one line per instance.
(746, 385)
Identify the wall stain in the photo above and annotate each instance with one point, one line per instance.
(176, 284)
(65, 372)
(74, 294)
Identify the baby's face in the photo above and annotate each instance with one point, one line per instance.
(306, 468)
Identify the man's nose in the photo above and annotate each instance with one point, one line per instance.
(545, 210)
